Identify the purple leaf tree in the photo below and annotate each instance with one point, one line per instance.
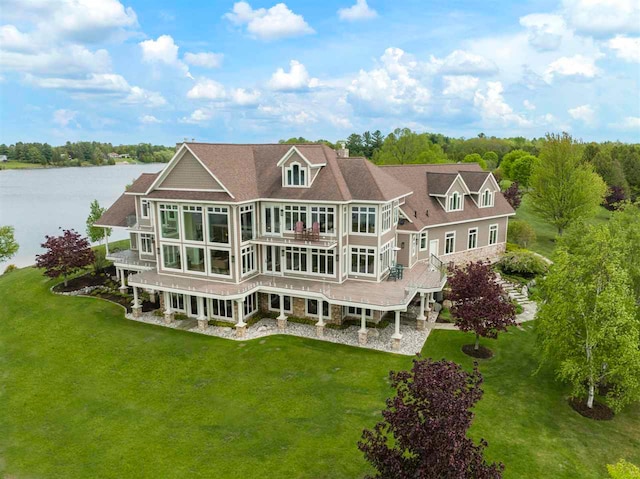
(513, 195)
(424, 431)
(479, 303)
(65, 254)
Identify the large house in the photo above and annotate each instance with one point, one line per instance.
(224, 231)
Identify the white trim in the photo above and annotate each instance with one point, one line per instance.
(190, 189)
(445, 242)
(470, 220)
(424, 233)
(402, 213)
(320, 303)
(375, 261)
(464, 185)
(290, 153)
(477, 231)
(491, 178)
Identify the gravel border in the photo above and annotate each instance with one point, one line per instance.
(411, 344)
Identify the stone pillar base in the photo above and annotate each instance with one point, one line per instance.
(320, 330)
(362, 337)
(168, 318)
(421, 324)
(136, 311)
(202, 324)
(395, 342)
(123, 289)
(282, 324)
(241, 331)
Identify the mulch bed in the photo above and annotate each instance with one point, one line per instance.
(599, 412)
(480, 353)
(89, 279)
(126, 301)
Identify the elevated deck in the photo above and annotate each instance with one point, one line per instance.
(129, 259)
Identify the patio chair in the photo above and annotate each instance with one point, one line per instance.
(393, 273)
(299, 230)
(315, 231)
(399, 271)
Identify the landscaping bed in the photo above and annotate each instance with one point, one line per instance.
(481, 353)
(86, 280)
(599, 411)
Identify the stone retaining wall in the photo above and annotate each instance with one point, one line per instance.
(487, 253)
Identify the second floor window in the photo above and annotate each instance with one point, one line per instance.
(493, 234)
(293, 214)
(449, 242)
(246, 222)
(218, 224)
(363, 219)
(487, 198)
(171, 257)
(386, 217)
(455, 202)
(144, 208)
(193, 223)
(248, 259)
(324, 216)
(146, 243)
(296, 175)
(169, 224)
(363, 261)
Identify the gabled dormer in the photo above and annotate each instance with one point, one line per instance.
(449, 189)
(297, 170)
(483, 187)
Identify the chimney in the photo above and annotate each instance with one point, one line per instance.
(343, 152)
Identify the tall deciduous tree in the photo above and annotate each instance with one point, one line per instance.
(96, 233)
(8, 245)
(65, 254)
(564, 189)
(424, 431)
(479, 302)
(587, 325)
(522, 168)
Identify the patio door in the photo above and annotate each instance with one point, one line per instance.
(434, 246)
(272, 258)
(271, 220)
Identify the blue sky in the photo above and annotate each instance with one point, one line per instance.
(159, 71)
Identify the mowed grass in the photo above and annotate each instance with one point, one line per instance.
(87, 393)
(19, 165)
(546, 233)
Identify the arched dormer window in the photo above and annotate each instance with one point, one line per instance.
(295, 175)
(487, 198)
(455, 202)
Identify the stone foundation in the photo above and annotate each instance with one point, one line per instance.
(202, 324)
(136, 311)
(362, 337)
(396, 342)
(282, 324)
(168, 317)
(486, 253)
(241, 331)
(320, 330)
(421, 324)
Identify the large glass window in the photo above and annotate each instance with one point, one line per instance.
(449, 242)
(487, 198)
(177, 301)
(324, 216)
(169, 224)
(353, 311)
(171, 256)
(363, 261)
(386, 217)
(193, 223)
(221, 308)
(195, 259)
(493, 234)
(144, 208)
(219, 261)
(312, 308)
(248, 259)
(386, 255)
(274, 303)
(218, 224)
(246, 222)
(272, 219)
(293, 214)
(295, 259)
(363, 219)
(250, 304)
(455, 201)
(322, 261)
(472, 240)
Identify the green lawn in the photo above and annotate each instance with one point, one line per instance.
(86, 393)
(546, 233)
(19, 165)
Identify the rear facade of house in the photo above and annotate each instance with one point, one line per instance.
(225, 231)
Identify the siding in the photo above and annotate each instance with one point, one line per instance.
(189, 173)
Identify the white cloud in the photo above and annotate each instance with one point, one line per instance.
(460, 62)
(631, 122)
(460, 85)
(359, 11)
(163, 50)
(545, 31)
(395, 87)
(301, 118)
(243, 97)
(575, 66)
(101, 84)
(206, 59)
(200, 115)
(13, 39)
(603, 17)
(627, 48)
(269, 24)
(71, 60)
(296, 79)
(493, 107)
(85, 21)
(528, 105)
(340, 122)
(207, 89)
(149, 119)
(583, 113)
(64, 117)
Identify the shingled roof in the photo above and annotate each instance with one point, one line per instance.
(142, 183)
(117, 214)
(425, 210)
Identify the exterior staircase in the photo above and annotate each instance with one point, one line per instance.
(514, 291)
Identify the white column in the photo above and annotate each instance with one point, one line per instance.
(202, 319)
(282, 315)
(106, 242)
(320, 318)
(167, 302)
(421, 315)
(363, 321)
(136, 302)
(240, 308)
(397, 334)
(123, 285)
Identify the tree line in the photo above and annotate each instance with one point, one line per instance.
(84, 152)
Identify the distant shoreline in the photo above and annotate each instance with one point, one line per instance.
(19, 165)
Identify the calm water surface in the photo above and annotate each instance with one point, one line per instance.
(38, 202)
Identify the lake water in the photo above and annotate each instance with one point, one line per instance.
(39, 202)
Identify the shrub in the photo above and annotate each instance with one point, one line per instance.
(514, 247)
(521, 233)
(99, 261)
(10, 268)
(623, 470)
(523, 263)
